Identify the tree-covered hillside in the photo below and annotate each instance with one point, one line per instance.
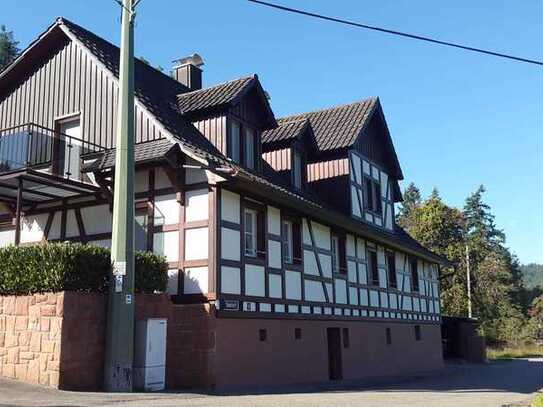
(532, 275)
(509, 311)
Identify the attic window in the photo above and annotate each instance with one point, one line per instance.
(234, 141)
(297, 180)
(249, 148)
(373, 195)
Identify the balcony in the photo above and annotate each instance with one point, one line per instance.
(38, 164)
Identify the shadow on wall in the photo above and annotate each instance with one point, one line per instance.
(515, 376)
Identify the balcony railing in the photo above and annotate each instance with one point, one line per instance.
(31, 146)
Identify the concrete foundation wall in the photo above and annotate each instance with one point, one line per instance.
(242, 359)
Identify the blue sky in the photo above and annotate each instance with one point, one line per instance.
(457, 119)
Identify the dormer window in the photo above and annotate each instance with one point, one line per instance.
(373, 195)
(297, 179)
(234, 141)
(249, 148)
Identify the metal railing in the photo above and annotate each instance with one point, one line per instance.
(31, 146)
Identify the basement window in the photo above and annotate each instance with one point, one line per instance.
(418, 335)
(388, 334)
(297, 334)
(262, 335)
(346, 339)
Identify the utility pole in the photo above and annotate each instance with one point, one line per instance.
(118, 375)
(468, 275)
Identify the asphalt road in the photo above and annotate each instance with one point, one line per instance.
(495, 384)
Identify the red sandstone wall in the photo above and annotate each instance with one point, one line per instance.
(30, 337)
(58, 339)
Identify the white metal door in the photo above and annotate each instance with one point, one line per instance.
(156, 343)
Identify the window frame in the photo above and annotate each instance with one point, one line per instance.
(249, 134)
(254, 232)
(392, 276)
(373, 267)
(373, 200)
(296, 243)
(287, 241)
(339, 256)
(230, 141)
(296, 153)
(414, 272)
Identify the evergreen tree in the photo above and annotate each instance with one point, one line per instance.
(9, 48)
(411, 200)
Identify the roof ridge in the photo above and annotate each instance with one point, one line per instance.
(326, 109)
(192, 92)
(67, 23)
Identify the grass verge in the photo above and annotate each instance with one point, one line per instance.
(538, 401)
(526, 351)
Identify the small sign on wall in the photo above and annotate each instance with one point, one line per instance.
(230, 305)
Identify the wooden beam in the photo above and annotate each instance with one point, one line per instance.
(317, 258)
(104, 188)
(48, 225)
(18, 212)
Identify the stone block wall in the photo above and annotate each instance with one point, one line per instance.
(58, 339)
(30, 337)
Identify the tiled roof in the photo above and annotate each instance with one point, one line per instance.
(149, 151)
(155, 90)
(339, 126)
(214, 96)
(286, 130)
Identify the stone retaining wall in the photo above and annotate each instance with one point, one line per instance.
(58, 339)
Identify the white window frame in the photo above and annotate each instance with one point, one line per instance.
(250, 234)
(235, 141)
(288, 241)
(335, 254)
(249, 147)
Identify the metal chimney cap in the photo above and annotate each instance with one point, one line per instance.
(193, 59)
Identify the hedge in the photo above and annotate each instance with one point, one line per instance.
(53, 267)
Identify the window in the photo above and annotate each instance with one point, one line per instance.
(374, 271)
(417, 333)
(250, 224)
(339, 261)
(369, 193)
(254, 231)
(335, 254)
(249, 148)
(297, 176)
(377, 197)
(388, 334)
(297, 333)
(140, 229)
(234, 141)
(373, 195)
(391, 265)
(414, 275)
(287, 236)
(262, 335)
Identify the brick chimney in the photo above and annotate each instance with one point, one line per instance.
(187, 71)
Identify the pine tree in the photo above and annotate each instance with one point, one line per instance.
(411, 200)
(9, 48)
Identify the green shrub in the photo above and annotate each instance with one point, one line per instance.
(151, 272)
(71, 267)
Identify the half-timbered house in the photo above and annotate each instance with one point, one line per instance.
(279, 233)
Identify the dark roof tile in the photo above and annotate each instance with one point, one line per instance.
(337, 127)
(286, 130)
(214, 96)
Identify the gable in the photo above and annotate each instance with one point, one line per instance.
(375, 142)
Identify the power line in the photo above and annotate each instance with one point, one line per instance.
(397, 33)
